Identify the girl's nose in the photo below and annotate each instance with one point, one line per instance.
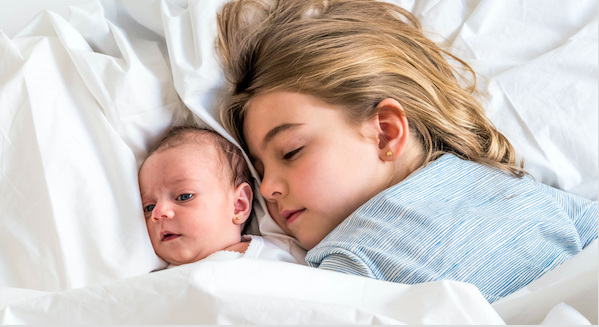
(273, 187)
(162, 211)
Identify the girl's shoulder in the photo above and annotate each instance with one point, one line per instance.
(451, 192)
(450, 177)
(467, 181)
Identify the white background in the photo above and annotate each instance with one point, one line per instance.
(14, 15)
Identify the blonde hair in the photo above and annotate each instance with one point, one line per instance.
(354, 54)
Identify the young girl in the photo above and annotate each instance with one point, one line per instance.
(197, 199)
(374, 156)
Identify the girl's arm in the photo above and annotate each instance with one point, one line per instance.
(582, 211)
(343, 261)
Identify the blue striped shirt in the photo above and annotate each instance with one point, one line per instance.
(459, 220)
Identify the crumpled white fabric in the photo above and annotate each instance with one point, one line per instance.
(70, 210)
(81, 100)
(255, 291)
(563, 314)
(573, 284)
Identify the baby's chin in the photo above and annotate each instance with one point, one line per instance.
(178, 259)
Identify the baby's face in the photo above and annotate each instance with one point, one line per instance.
(188, 206)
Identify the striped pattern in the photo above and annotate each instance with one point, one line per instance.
(459, 220)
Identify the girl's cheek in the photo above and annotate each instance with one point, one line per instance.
(311, 174)
(273, 209)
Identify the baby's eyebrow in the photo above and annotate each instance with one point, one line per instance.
(173, 182)
(184, 180)
(278, 130)
(179, 180)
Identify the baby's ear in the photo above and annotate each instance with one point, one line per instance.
(243, 203)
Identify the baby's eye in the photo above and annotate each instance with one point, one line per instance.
(184, 197)
(149, 208)
(289, 155)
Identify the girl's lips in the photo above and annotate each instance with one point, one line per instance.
(293, 215)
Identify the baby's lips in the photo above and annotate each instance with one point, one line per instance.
(167, 235)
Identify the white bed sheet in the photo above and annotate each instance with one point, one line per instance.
(81, 100)
(254, 291)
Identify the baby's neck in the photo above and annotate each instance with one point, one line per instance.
(240, 247)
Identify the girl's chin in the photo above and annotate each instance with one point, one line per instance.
(307, 243)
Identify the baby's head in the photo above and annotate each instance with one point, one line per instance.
(195, 193)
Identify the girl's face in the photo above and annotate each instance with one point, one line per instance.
(316, 169)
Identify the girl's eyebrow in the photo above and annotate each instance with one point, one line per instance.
(278, 130)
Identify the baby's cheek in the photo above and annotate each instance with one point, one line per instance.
(151, 231)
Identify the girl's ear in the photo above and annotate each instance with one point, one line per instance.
(243, 203)
(393, 129)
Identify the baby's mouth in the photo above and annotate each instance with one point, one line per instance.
(168, 236)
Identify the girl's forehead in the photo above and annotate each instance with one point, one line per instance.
(269, 110)
(272, 112)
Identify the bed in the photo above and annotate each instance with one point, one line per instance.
(82, 98)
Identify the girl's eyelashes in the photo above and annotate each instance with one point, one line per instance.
(184, 197)
(291, 154)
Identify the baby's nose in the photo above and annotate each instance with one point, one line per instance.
(162, 211)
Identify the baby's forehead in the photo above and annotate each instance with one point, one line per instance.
(207, 147)
(202, 149)
(192, 140)
(200, 141)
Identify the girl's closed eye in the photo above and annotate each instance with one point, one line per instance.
(184, 197)
(291, 154)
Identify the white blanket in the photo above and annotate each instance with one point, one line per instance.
(81, 100)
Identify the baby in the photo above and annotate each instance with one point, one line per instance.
(197, 200)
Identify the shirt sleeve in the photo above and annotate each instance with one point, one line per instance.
(587, 224)
(343, 261)
(583, 212)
